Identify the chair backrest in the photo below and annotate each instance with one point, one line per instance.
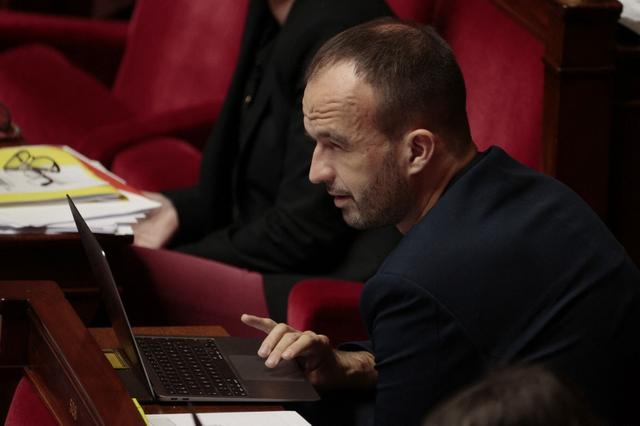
(504, 74)
(413, 10)
(179, 53)
(27, 408)
(502, 67)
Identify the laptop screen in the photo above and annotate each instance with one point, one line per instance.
(110, 296)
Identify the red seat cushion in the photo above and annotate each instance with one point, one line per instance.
(159, 164)
(27, 409)
(51, 100)
(164, 287)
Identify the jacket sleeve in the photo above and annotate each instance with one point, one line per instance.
(421, 353)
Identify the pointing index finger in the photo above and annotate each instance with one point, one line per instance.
(262, 324)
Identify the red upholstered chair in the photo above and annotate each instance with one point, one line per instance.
(164, 287)
(413, 10)
(503, 70)
(327, 306)
(27, 408)
(504, 74)
(95, 46)
(173, 75)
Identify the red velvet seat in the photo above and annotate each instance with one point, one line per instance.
(148, 165)
(177, 65)
(164, 287)
(327, 306)
(503, 70)
(504, 74)
(94, 46)
(27, 409)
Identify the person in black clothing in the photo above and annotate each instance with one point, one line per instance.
(498, 264)
(254, 207)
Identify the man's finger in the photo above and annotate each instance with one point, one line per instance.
(306, 344)
(282, 345)
(273, 338)
(262, 324)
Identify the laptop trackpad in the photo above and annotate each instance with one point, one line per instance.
(251, 367)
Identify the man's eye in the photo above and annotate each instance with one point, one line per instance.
(336, 145)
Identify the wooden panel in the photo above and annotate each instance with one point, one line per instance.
(60, 356)
(625, 176)
(579, 36)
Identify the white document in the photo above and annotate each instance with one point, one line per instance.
(249, 418)
(631, 15)
(42, 215)
(68, 178)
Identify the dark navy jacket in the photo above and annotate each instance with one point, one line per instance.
(509, 266)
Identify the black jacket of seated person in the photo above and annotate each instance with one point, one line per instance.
(255, 207)
(510, 266)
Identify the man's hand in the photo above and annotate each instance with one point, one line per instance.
(323, 365)
(158, 227)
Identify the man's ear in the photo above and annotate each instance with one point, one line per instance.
(419, 147)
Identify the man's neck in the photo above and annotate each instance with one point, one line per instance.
(430, 188)
(280, 9)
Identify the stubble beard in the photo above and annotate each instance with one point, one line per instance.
(385, 202)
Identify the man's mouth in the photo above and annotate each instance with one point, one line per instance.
(339, 199)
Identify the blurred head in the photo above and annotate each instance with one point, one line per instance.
(385, 103)
(515, 396)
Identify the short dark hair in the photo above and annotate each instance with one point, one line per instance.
(519, 395)
(412, 69)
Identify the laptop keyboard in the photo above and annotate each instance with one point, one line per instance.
(190, 367)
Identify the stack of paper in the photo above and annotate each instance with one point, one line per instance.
(34, 182)
(248, 418)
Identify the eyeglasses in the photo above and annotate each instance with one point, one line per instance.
(34, 166)
(8, 129)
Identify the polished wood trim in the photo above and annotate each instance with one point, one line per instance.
(23, 238)
(533, 15)
(60, 356)
(579, 56)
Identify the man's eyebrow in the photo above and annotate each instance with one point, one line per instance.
(334, 137)
(329, 135)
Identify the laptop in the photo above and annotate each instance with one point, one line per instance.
(192, 368)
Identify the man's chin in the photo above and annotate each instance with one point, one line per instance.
(353, 220)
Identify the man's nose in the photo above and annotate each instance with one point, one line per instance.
(320, 170)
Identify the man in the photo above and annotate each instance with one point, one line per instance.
(498, 264)
(254, 207)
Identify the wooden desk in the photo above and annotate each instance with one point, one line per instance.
(42, 337)
(59, 258)
(106, 340)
